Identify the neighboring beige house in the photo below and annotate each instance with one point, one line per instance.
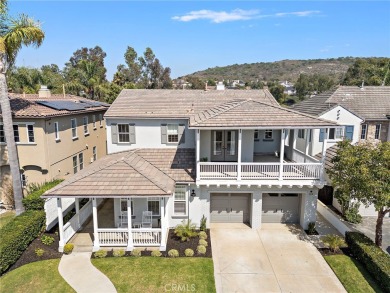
(56, 136)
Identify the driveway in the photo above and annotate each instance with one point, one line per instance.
(270, 259)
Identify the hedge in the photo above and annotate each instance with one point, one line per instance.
(376, 261)
(17, 235)
(33, 201)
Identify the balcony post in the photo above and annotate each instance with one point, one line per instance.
(281, 155)
(60, 225)
(96, 244)
(130, 245)
(163, 245)
(197, 154)
(239, 155)
(323, 157)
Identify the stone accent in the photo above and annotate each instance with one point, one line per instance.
(371, 126)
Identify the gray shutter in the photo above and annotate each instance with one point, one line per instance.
(132, 133)
(349, 132)
(182, 136)
(322, 134)
(114, 133)
(164, 138)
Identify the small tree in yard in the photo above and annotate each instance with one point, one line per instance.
(186, 230)
(363, 173)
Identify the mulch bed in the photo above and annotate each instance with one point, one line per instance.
(327, 251)
(308, 233)
(29, 255)
(175, 243)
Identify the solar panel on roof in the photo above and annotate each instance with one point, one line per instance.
(93, 103)
(63, 105)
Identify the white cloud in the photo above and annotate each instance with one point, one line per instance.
(237, 14)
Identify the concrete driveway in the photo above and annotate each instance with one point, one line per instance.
(274, 258)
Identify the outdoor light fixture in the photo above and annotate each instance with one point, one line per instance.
(311, 192)
(193, 192)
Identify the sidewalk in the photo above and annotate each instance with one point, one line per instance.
(78, 272)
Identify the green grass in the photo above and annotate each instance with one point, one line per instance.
(352, 274)
(155, 274)
(6, 217)
(40, 276)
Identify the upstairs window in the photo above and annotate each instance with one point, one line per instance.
(123, 133)
(2, 135)
(94, 153)
(16, 133)
(154, 205)
(56, 130)
(377, 131)
(74, 164)
(30, 133)
(85, 123)
(81, 161)
(335, 133)
(173, 133)
(363, 134)
(73, 123)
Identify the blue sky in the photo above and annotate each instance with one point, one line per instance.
(189, 36)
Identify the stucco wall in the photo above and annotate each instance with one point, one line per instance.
(267, 146)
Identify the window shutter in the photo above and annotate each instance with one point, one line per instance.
(182, 136)
(322, 134)
(164, 133)
(132, 133)
(349, 132)
(114, 133)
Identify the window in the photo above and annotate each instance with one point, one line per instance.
(256, 135)
(2, 135)
(94, 153)
(30, 133)
(377, 131)
(56, 130)
(301, 133)
(154, 205)
(335, 133)
(123, 133)
(94, 121)
(101, 120)
(85, 123)
(74, 127)
(23, 179)
(124, 206)
(74, 164)
(180, 201)
(268, 134)
(16, 133)
(81, 161)
(363, 134)
(173, 132)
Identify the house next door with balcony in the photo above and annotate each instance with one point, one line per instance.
(224, 145)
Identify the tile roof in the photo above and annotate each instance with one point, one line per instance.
(315, 105)
(140, 172)
(250, 113)
(26, 106)
(330, 154)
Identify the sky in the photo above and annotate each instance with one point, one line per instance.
(189, 36)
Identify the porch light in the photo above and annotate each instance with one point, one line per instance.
(193, 192)
(311, 192)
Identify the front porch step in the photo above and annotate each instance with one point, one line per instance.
(82, 248)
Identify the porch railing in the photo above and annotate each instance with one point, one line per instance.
(210, 170)
(146, 237)
(302, 170)
(120, 237)
(77, 220)
(259, 170)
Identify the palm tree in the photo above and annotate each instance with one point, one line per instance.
(14, 32)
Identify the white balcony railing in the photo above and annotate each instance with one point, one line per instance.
(146, 237)
(120, 237)
(210, 170)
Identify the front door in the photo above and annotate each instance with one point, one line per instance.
(224, 146)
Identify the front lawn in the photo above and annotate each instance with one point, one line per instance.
(6, 217)
(158, 274)
(352, 274)
(41, 276)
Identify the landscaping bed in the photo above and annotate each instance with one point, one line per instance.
(174, 242)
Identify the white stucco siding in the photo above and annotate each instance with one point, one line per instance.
(267, 146)
(247, 146)
(308, 208)
(148, 134)
(205, 144)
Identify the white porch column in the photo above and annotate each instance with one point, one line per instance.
(77, 207)
(308, 132)
(163, 244)
(239, 155)
(197, 154)
(323, 160)
(130, 245)
(96, 245)
(294, 146)
(60, 225)
(281, 155)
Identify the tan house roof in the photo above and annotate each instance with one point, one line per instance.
(330, 154)
(140, 172)
(29, 106)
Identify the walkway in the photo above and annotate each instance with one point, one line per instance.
(78, 271)
(275, 258)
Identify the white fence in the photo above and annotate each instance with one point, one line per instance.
(259, 170)
(120, 237)
(302, 170)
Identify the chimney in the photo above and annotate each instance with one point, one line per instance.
(44, 92)
(220, 86)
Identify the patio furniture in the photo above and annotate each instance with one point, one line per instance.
(146, 219)
(123, 220)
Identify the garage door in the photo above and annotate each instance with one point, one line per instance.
(229, 207)
(280, 208)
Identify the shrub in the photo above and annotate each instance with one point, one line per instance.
(33, 201)
(100, 253)
(203, 242)
(371, 256)
(173, 253)
(39, 252)
(186, 230)
(203, 223)
(156, 253)
(17, 234)
(334, 242)
(352, 213)
(136, 252)
(68, 248)
(47, 240)
(311, 229)
(201, 249)
(202, 235)
(189, 252)
(119, 253)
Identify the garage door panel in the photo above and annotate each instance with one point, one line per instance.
(280, 209)
(229, 208)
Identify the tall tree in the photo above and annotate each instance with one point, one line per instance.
(363, 172)
(14, 33)
(371, 71)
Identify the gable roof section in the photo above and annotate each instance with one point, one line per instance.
(315, 105)
(141, 172)
(250, 113)
(330, 154)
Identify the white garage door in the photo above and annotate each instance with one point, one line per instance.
(280, 208)
(230, 207)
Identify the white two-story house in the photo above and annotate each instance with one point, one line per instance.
(230, 156)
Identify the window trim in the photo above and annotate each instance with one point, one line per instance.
(73, 128)
(57, 131)
(28, 133)
(154, 199)
(378, 131)
(185, 200)
(85, 125)
(177, 133)
(81, 161)
(119, 133)
(265, 134)
(94, 153)
(365, 126)
(15, 127)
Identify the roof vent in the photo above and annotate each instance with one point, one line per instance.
(44, 92)
(220, 86)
